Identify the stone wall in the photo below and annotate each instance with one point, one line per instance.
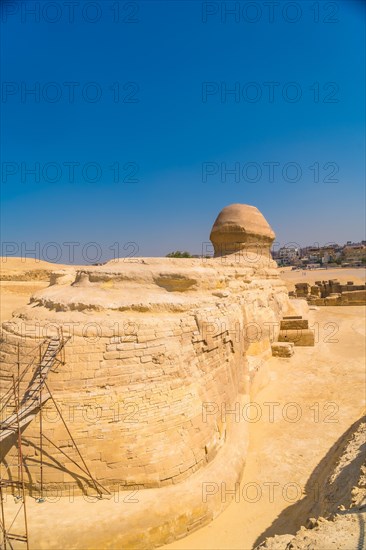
(133, 392)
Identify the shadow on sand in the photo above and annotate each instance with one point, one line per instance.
(322, 498)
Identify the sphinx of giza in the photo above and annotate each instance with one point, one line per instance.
(155, 352)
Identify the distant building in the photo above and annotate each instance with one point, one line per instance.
(330, 253)
(288, 255)
(349, 254)
(354, 253)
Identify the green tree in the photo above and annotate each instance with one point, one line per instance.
(178, 254)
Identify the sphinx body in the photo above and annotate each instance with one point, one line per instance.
(159, 349)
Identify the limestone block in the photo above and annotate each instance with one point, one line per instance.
(302, 293)
(294, 324)
(300, 337)
(356, 297)
(302, 287)
(282, 349)
(333, 300)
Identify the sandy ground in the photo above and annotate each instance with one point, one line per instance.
(21, 264)
(16, 294)
(19, 279)
(340, 520)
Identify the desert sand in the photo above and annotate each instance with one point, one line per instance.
(19, 279)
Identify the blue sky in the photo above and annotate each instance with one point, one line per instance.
(152, 96)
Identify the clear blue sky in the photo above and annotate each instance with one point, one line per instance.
(171, 133)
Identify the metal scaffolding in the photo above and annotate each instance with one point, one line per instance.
(7, 534)
(25, 409)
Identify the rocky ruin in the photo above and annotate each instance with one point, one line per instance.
(331, 293)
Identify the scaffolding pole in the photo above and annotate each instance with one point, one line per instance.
(13, 423)
(7, 535)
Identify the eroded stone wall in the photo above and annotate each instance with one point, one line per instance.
(143, 394)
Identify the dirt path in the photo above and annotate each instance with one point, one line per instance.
(326, 383)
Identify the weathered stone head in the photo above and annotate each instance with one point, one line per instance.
(238, 227)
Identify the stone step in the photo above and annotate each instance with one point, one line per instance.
(285, 317)
(299, 337)
(294, 324)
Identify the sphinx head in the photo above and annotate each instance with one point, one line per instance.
(241, 227)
